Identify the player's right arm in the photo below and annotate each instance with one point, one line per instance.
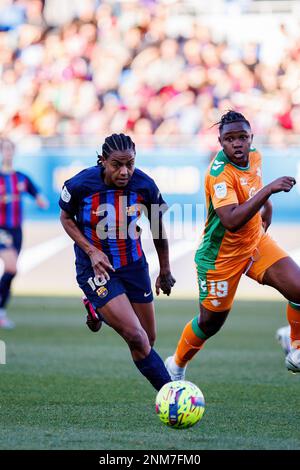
(234, 216)
(69, 203)
(99, 260)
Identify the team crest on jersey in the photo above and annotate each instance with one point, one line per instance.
(65, 195)
(131, 210)
(220, 190)
(243, 181)
(258, 171)
(102, 292)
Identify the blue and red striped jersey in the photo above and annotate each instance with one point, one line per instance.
(107, 215)
(12, 186)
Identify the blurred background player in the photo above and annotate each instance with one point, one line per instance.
(235, 242)
(13, 184)
(100, 208)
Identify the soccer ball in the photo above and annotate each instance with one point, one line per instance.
(180, 404)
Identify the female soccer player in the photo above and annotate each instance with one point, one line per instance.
(12, 185)
(235, 242)
(100, 208)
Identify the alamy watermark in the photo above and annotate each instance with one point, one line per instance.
(2, 352)
(120, 221)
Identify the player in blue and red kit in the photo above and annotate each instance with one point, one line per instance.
(13, 184)
(100, 209)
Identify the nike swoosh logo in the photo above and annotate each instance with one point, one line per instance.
(147, 295)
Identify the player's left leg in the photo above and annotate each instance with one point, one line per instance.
(137, 282)
(284, 275)
(120, 315)
(217, 291)
(146, 314)
(273, 266)
(10, 247)
(9, 257)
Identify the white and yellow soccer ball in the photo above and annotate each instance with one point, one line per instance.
(180, 404)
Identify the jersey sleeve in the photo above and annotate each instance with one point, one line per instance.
(31, 188)
(69, 197)
(221, 190)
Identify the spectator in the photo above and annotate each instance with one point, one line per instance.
(139, 67)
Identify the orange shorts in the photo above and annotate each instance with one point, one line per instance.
(217, 289)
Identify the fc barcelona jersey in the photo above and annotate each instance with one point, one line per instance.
(107, 216)
(12, 186)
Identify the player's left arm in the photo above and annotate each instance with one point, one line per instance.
(266, 214)
(156, 207)
(165, 281)
(41, 201)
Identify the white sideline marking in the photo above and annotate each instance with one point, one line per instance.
(177, 250)
(37, 254)
(2, 352)
(34, 256)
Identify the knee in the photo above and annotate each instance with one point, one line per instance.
(11, 269)
(209, 326)
(136, 339)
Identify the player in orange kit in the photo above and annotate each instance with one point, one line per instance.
(235, 242)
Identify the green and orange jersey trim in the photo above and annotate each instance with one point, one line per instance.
(215, 235)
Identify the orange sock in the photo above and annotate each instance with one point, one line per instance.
(191, 341)
(293, 316)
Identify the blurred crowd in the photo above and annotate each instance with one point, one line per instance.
(90, 68)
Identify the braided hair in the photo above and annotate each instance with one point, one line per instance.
(231, 116)
(115, 142)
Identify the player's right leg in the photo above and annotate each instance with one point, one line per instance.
(283, 336)
(216, 297)
(110, 301)
(193, 338)
(120, 315)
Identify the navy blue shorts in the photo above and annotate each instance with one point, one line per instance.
(10, 238)
(132, 280)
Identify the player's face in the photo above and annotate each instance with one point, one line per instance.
(119, 168)
(236, 139)
(7, 152)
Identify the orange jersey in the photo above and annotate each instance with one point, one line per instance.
(226, 183)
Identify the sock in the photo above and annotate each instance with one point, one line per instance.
(5, 284)
(293, 316)
(191, 341)
(153, 368)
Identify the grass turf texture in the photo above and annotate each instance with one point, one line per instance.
(64, 387)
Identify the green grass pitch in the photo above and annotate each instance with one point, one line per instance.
(64, 387)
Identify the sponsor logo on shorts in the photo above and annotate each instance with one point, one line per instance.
(146, 294)
(102, 292)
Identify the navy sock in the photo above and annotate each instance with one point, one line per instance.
(153, 368)
(5, 284)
